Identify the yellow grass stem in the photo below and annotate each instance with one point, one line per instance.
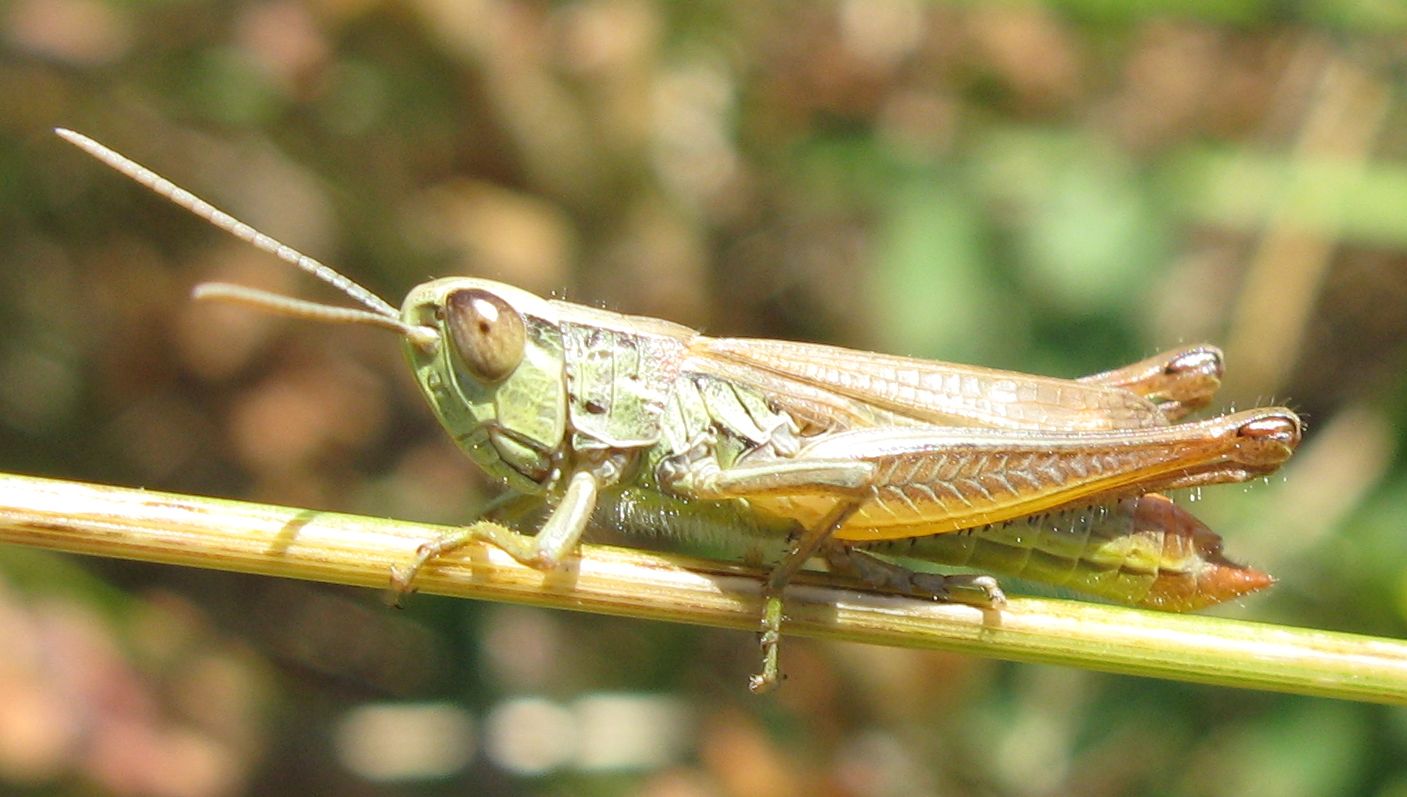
(345, 549)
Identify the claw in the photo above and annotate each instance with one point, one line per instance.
(769, 639)
(982, 591)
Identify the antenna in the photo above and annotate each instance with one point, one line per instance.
(244, 232)
(423, 337)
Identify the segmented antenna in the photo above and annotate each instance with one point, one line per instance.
(235, 227)
(424, 337)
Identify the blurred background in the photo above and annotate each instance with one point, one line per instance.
(1059, 187)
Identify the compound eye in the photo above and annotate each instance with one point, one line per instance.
(487, 334)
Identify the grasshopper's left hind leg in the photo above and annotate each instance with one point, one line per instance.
(546, 550)
(887, 483)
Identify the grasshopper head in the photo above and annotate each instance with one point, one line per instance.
(488, 356)
(493, 373)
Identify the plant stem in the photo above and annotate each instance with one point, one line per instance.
(323, 546)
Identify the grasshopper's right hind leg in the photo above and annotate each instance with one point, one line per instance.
(546, 550)
(1179, 381)
(978, 590)
(802, 548)
(845, 480)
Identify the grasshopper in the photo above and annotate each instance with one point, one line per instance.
(805, 450)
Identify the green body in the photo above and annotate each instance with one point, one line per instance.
(594, 388)
(801, 449)
(611, 390)
(629, 397)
